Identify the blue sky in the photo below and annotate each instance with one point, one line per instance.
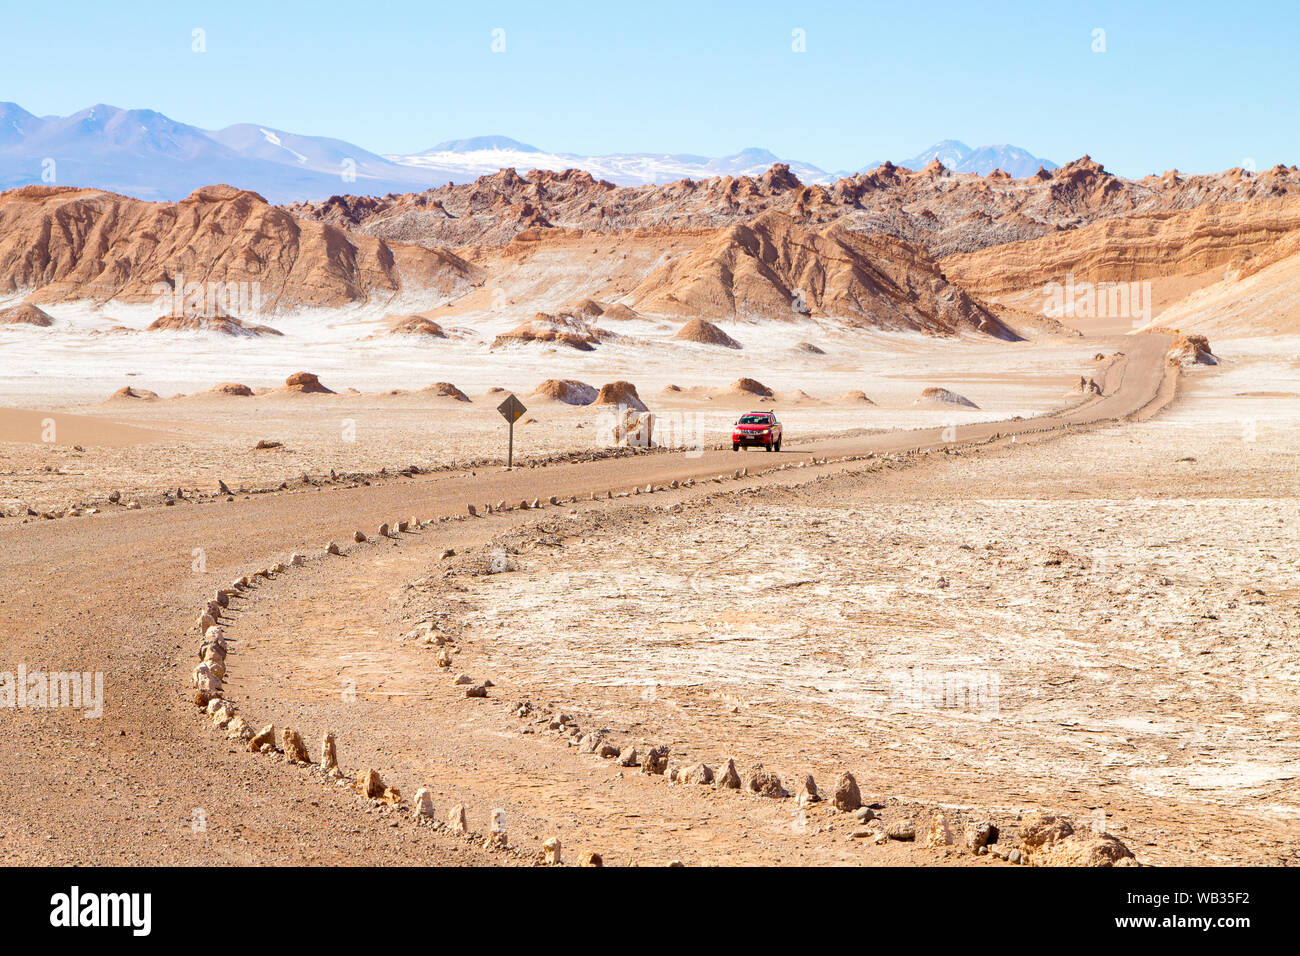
(1195, 85)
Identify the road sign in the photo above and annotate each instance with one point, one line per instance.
(512, 409)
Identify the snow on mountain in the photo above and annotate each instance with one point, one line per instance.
(15, 124)
(320, 154)
(482, 142)
(105, 131)
(755, 162)
(961, 158)
(950, 152)
(458, 160)
(145, 154)
(1010, 159)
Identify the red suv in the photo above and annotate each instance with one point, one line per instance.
(757, 428)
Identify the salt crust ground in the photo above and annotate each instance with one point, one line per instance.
(64, 374)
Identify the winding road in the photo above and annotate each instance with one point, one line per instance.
(118, 593)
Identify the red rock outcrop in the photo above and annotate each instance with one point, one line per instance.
(944, 212)
(774, 268)
(1240, 238)
(64, 243)
(26, 314)
(705, 333)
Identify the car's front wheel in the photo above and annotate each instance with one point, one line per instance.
(735, 446)
(778, 444)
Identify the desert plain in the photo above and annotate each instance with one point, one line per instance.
(1019, 588)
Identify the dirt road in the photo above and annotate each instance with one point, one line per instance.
(117, 593)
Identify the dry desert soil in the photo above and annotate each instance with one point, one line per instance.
(1019, 568)
(1087, 613)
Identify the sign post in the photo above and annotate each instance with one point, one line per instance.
(512, 409)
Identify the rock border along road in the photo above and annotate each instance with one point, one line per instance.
(116, 593)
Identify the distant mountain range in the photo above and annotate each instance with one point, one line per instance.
(454, 160)
(961, 158)
(145, 154)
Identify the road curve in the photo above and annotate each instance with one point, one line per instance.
(117, 593)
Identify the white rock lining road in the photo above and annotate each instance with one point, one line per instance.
(208, 673)
(1043, 838)
(208, 681)
(54, 572)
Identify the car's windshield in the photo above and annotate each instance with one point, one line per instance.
(755, 420)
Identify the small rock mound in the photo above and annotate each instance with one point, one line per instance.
(764, 783)
(1192, 350)
(556, 330)
(856, 397)
(705, 333)
(1038, 830)
(447, 390)
(727, 778)
(231, 388)
(1049, 840)
(567, 390)
(1085, 386)
(306, 383)
(941, 396)
(700, 774)
(749, 386)
(414, 325)
(1086, 850)
(126, 392)
(26, 314)
(808, 792)
(810, 348)
(220, 323)
(587, 308)
(847, 796)
(620, 393)
(619, 313)
(594, 308)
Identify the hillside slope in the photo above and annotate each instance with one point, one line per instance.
(61, 244)
(941, 211)
(772, 267)
(1228, 237)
